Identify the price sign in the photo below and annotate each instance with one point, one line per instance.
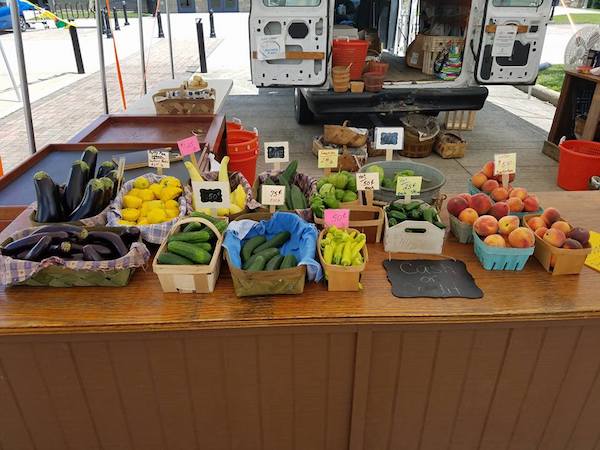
(339, 218)
(328, 159)
(277, 152)
(211, 194)
(368, 181)
(159, 159)
(505, 163)
(408, 186)
(272, 195)
(188, 146)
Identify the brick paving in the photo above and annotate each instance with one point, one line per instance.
(60, 115)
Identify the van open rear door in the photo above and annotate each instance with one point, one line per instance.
(512, 38)
(289, 42)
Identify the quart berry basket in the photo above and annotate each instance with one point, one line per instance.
(473, 190)
(500, 258)
(462, 231)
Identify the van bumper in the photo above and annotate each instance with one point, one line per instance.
(413, 99)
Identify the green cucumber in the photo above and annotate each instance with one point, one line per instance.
(191, 236)
(274, 263)
(193, 226)
(190, 251)
(288, 262)
(258, 264)
(203, 245)
(249, 262)
(172, 258)
(250, 245)
(276, 241)
(268, 253)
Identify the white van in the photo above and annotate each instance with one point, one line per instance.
(501, 43)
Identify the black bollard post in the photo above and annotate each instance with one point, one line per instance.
(201, 49)
(161, 34)
(107, 24)
(212, 23)
(125, 12)
(76, 49)
(117, 27)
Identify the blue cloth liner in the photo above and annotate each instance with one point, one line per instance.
(302, 243)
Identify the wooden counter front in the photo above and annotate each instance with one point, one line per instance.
(518, 369)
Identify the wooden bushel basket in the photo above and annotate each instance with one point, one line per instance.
(342, 278)
(450, 145)
(183, 105)
(197, 278)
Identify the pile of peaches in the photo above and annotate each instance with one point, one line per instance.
(517, 199)
(552, 229)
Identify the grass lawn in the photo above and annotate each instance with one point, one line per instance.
(552, 77)
(577, 18)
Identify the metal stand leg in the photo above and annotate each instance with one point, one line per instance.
(10, 74)
(141, 33)
(170, 39)
(99, 24)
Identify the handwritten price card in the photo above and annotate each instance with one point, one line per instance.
(188, 146)
(328, 159)
(505, 163)
(339, 218)
(159, 159)
(367, 181)
(211, 194)
(408, 186)
(272, 195)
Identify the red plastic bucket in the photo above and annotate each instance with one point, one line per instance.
(350, 51)
(242, 148)
(579, 161)
(234, 125)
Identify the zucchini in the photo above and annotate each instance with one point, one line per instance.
(274, 262)
(92, 197)
(191, 236)
(297, 198)
(113, 239)
(268, 253)
(105, 168)
(190, 251)
(90, 254)
(27, 242)
(288, 262)
(90, 156)
(250, 245)
(276, 241)
(174, 259)
(38, 250)
(49, 206)
(78, 178)
(258, 264)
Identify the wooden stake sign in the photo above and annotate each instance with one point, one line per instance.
(389, 139)
(367, 182)
(328, 159)
(159, 159)
(188, 147)
(505, 164)
(272, 196)
(408, 186)
(277, 153)
(339, 218)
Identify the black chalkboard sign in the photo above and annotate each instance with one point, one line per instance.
(276, 152)
(211, 195)
(389, 138)
(430, 278)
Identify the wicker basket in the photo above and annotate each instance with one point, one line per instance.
(414, 148)
(166, 103)
(450, 145)
(340, 77)
(350, 159)
(420, 132)
(345, 135)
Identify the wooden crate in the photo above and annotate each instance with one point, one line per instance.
(459, 120)
(433, 45)
(197, 278)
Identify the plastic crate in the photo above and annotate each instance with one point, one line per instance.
(501, 258)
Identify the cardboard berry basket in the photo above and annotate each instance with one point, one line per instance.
(473, 190)
(462, 231)
(342, 278)
(198, 278)
(500, 258)
(558, 261)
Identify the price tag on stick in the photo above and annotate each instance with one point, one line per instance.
(159, 159)
(211, 194)
(367, 182)
(339, 218)
(505, 164)
(272, 196)
(408, 186)
(389, 139)
(277, 153)
(328, 159)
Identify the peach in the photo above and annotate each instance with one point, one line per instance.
(467, 197)
(495, 240)
(489, 186)
(499, 210)
(515, 204)
(520, 193)
(521, 237)
(536, 222)
(488, 169)
(499, 194)
(555, 237)
(480, 203)
(456, 205)
(572, 244)
(540, 232)
(478, 179)
(531, 203)
(580, 234)
(508, 224)
(486, 225)
(468, 215)
(562, 226)
(550, 215)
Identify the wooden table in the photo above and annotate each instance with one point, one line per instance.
(135, 368)
(564, 118)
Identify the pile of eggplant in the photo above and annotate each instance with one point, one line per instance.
(72, 243)
(85, 194)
